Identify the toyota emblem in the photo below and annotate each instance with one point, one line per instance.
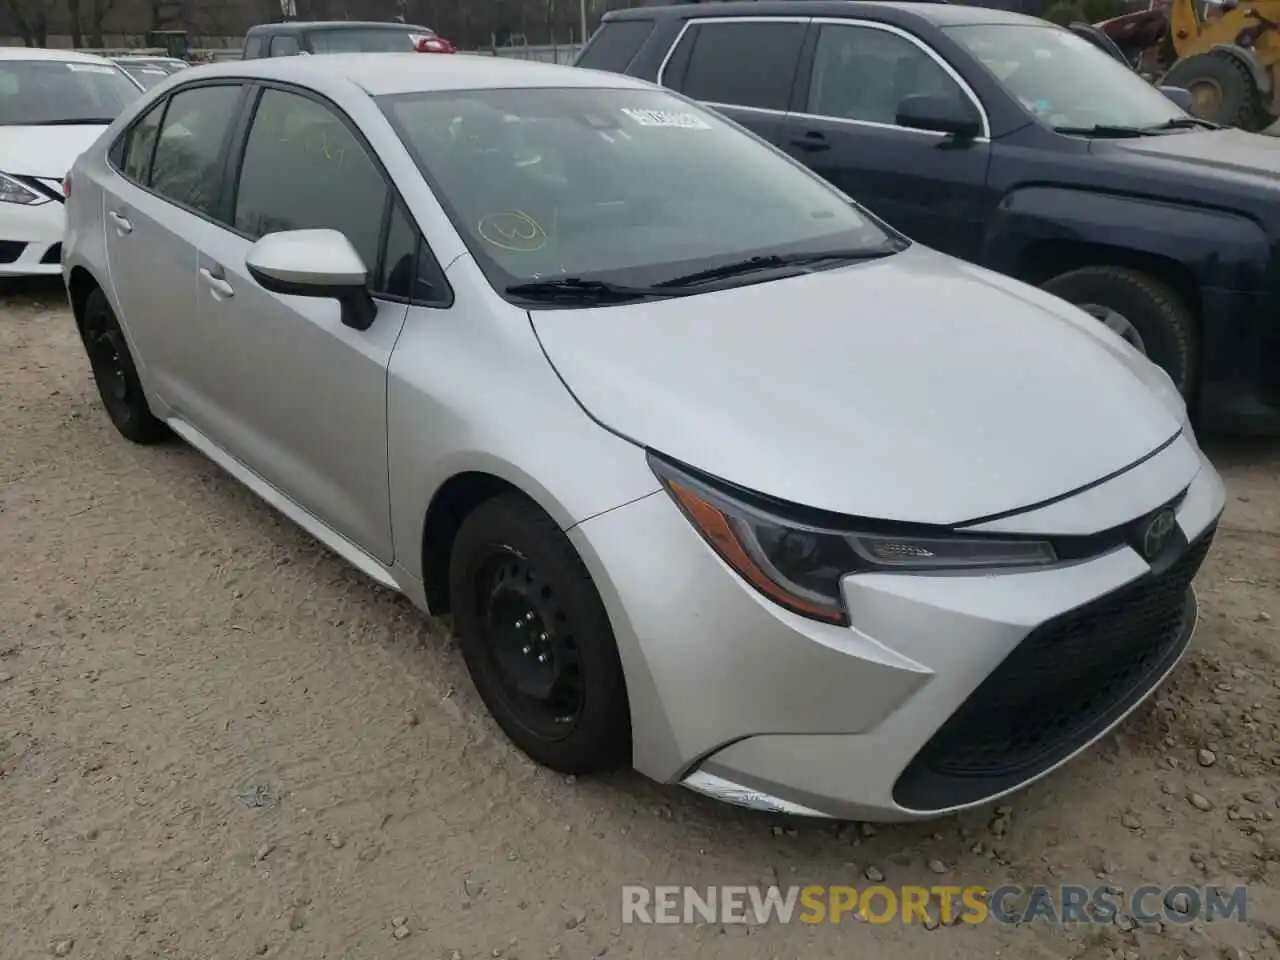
(1159, 528)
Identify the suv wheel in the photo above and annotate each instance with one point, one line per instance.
(1145, 311)
(115, 373)
(536, 638)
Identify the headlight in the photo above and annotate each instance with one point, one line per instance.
(799, 563)
(12, 191)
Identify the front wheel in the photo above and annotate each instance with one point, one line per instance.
(1146, 312)
(536, 638)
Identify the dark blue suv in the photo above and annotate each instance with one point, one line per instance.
(1014, 144)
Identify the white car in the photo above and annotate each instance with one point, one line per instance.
(53, 104)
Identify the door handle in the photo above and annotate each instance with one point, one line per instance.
(121, 221)
(221, 289)
(813, 140)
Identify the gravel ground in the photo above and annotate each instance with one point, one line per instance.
(217, 740)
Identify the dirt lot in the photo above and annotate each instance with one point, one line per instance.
(217, 741)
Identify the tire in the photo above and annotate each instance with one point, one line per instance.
(510, 562)
(1163, 322)
(1238, 101)
(115, 373)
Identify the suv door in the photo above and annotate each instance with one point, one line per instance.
(169, 164)
(743, 67)
(844, 127)
(295, 395)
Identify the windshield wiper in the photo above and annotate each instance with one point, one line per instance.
(68, 122)
(772, 261)
(1185, 123)
(1107, 130)
(577, 288)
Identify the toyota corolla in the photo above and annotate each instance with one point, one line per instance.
(718, 475)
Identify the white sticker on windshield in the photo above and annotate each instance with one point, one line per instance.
(667, 118)
(90, 68)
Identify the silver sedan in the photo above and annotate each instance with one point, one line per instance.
(718, 475)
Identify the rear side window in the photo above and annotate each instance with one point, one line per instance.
(741, 64)
(187, 168)
(285, 46)
(252, 47)
(615, 45)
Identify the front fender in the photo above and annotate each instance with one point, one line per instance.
(1219, 248)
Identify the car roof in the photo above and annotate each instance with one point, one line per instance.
(292, 25)
(39, 53)
(390, 73)
(939, 12)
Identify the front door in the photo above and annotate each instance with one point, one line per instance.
(294, 394)
(843, 126)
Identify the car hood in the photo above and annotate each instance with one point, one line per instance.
(1223, 152)
(46, 152)
(914, 388)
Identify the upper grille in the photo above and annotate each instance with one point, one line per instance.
(1064, 684)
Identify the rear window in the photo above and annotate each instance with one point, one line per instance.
(615, 45)
(371, 40)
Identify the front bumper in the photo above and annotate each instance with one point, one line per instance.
(890, 719)
(31, 239)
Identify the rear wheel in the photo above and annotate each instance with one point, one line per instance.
(1222, 89)
(1146, 312)
(536, 638)
(115, 374)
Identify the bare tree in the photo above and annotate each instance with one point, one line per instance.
(74, 23)
(98, 10)
(31, 17)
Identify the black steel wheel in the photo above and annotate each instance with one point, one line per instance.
(115, 373)
(536, 638)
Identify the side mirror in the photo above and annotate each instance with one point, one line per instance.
(923, 111)
(315, 263)
(1180, 96)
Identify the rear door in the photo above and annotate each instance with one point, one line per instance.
(169, 166)
(844, 127)
(743, 67)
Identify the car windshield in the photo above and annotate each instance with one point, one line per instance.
(145, 74)
(368, 40)
(1064, 79)
(626, 186)
(38, 92)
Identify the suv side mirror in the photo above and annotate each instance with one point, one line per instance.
(926, 111)
(1180, 96)
(315, 263)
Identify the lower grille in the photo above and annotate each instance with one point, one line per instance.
(11, 250)
(53, 254)
(1063, 685)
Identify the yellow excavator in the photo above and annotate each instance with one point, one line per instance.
(1227, 54)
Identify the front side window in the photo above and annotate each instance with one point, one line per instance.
(862, 73)
(187, 168)
(616, 45)
(62, 92)
(741, 64)
(1065, 80)
(303, 169)
(632, 186)
(366, 40)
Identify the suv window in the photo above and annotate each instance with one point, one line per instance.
(285, 45)
(361, 40)
(615, 45)
(187, 168)
(742, 64)
(139, 143)
(863, 73)
(303, 169)
(252, 47)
